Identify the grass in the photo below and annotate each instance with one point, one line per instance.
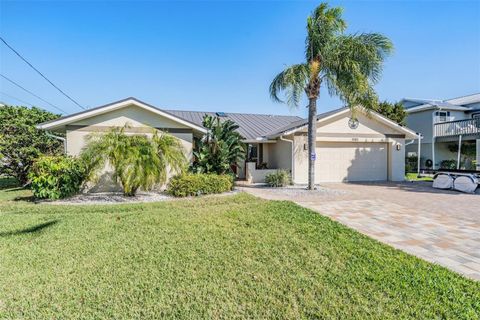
(414, 177)
(221, 257)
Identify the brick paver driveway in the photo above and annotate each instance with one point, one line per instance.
(436, 225)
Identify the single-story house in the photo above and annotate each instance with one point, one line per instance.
(370, 148)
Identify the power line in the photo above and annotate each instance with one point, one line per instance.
(13, 97)
(25, 60)
(33, 94)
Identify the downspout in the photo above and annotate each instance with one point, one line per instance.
(420, 137)
(59, 138)
(433, 137)
(459, 151)
(292, 164)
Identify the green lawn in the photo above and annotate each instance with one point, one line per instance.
(221, 257)
(414, 177)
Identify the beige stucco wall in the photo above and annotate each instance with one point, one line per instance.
(396, 159)
(76, 140)
(139, 121)
(369, 130)
(300, 160)
(135, 115)
(280, 155)
(367, 125)
(254, 175)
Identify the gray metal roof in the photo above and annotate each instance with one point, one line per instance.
(465, 100)
(251, 126)
(461, 103)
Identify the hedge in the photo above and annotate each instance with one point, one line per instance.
(198, 184)
(55, 177)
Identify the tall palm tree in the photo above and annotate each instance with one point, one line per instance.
(348, 65)
(138, 161)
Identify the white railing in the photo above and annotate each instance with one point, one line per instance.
(439, 119)
(455, 128)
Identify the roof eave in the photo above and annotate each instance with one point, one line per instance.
(408, 133)
(63, 121)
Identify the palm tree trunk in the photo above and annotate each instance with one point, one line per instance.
(312, 135)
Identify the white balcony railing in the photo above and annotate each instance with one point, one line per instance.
(455, 128)
(440, 119)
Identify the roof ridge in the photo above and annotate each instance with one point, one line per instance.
(242, 113)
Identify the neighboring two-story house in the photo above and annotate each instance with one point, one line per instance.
(445, 125)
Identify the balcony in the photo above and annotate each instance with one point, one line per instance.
(459, 127)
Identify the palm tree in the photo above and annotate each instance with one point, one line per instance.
(138, 161)
(348, 65)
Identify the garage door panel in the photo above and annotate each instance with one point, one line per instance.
(345, 161)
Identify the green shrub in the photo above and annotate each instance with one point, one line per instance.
(280, 178)
(55, 177)
(448, 164)
(197, 184)
(411, 164)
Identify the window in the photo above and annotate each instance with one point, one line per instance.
(442, 116)
(252, 153)
(476, 116)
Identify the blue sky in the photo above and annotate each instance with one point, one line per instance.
(221, 56)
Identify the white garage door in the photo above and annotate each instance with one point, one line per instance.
(348, 161)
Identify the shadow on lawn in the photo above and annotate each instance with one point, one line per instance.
(25, 198)
(33, 229)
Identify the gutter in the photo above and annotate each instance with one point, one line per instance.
(59, 138)
(292, 160)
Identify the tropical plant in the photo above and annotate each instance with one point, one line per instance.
(21, 142)
(220, 148)
(55, 177)
(346, 64)
(393, 111)
(138, 161)
(279, 178)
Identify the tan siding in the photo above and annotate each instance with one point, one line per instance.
(369, 135)
(139, 120)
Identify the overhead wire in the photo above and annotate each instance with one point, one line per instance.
(33, 94)
(40, 73)
(13, 97)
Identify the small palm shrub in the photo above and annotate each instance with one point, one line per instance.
(198, 184)
(55, 177)
(280, 178)
(138, 161)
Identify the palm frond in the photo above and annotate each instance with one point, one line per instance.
(323, 25)
(292, 82)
